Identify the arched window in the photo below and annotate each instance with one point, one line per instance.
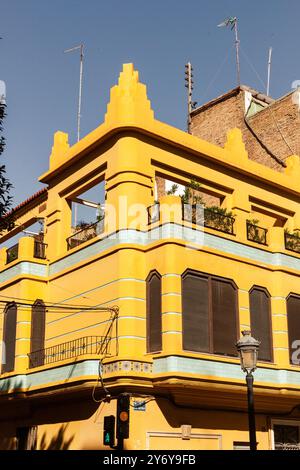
(293, 316)
(261, 322)
(154, 332)
(9, 336)
(37, 343)
(209, 314)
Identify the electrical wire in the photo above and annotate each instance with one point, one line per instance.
(49, 303)
(61, 307)
(252, 67)
(212, 81)
(271, 112)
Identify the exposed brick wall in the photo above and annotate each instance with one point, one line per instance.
(160, 185)
(213, 122)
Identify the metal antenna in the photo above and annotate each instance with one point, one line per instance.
(269, 70)
(80, 85)
(233, 22)
(237, 45)
(189, 84)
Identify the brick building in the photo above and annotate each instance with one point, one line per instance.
(270, 128)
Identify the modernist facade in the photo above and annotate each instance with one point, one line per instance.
(151, 297)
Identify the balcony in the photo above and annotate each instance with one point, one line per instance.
(26, 248)
(256, 234)
(292, 242)
(209, 217)
(39, 250)
(97, 345)
(153, 213)
(12, 253)
(86, 233)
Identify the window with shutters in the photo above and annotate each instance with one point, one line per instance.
(38, 332)
(261, 323)
(154, 333)
(293, 315)
(209, 314)
(9, 337)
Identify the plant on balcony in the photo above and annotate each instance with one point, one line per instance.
(254, 232)
(219, 218)
(191, 194)
(292, 240)
(172, 190)
(80, 225)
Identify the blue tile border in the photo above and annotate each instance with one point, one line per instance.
(179, 364)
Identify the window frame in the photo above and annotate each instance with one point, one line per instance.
(210, 277)
(37, 303)
(148, 279)
(297, 296)
(4, 332)
(265, 290)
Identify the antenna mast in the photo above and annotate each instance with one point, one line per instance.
(233, 22)
(189, 84)
(80, 86)
(269, 70)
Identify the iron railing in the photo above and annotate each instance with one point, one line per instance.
(12, 253)
(292, 242)
(98, 345)
(196, 214)
(285, 446)
(256, 234)
(85, 234)
(153, 213)
(39, 250)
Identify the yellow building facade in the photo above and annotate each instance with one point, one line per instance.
(150, 299)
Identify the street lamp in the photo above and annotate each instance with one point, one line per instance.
(247, 347)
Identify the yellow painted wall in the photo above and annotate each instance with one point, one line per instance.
(127, 151)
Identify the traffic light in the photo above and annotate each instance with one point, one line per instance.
(123, 405)
(109, 431)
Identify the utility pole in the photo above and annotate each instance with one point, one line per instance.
(189, 84)
(80, 86)
(269, 70)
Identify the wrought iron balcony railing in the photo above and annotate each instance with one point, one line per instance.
(207, 217)
(12, 253)
(85, 234)
(39, 249)
(292, 242)
(98, 345)
(256, 234)
(153, 213)
(285, 446)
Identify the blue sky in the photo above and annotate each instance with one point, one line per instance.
(158, 36)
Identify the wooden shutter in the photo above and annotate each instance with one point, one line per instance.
(261, 326)
(224, 317)
(38, 318)
(195, 313)
(293, 314)
(154, 323)
(9, 336)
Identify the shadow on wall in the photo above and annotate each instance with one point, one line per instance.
(57, 442)
(8, 443)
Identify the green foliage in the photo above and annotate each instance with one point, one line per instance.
(5, 185)
(253, 221)
(254, 232)
(219, 218)
(292, 240)
(173, 190)
(191, 194)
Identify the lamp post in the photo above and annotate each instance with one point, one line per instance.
(247, 347)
